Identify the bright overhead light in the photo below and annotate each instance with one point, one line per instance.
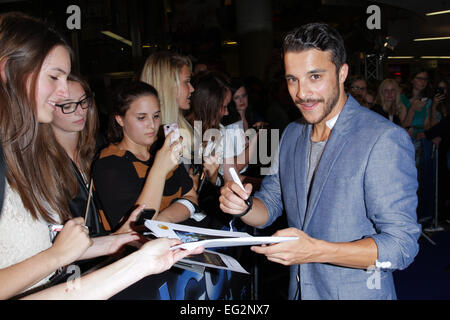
(429, 39)
(435, 57)
(230, 43)
(117, 37)
(437, 12)
(400, 57)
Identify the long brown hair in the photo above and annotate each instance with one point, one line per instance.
(25, 42)
(61, 180)
(207, 100)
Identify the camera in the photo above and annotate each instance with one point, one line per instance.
(439, 90)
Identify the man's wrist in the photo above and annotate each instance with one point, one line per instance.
(249, 203)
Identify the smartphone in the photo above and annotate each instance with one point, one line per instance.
(209, 149)
(439, 90)
(146, 214)
(168, 128)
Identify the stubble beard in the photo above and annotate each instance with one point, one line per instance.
(329, 105)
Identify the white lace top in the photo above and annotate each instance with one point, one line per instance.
(21, 236)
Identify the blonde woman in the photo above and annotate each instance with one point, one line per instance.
(170, 74)
(388, 102)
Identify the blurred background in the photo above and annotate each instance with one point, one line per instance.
(243, 37)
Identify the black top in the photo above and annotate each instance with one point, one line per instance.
(78, 204)
(442, 129)
(119, 178)
(379, 109)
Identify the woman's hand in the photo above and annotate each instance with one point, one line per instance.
(195, 179)
(71, 242)
(168, 157)
(211, 166)
(128, 226)
(438, 98)
(260, 125)
(417, 104)
(155, 256)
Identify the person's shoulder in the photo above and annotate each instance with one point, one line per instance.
(373, 118)
(111, 150)
(368, 125)
(111, 157)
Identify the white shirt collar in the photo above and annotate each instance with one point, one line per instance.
(330, 123)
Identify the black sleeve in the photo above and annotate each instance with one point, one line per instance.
(442, 129)
(182, 179)
(117, 187)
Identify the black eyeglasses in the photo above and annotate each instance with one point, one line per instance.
(71, 107)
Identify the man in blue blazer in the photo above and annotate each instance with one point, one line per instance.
(345, 177)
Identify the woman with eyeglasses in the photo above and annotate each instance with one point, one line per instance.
(35, 62)
(71, 137)
(358, 88)
(417, 99)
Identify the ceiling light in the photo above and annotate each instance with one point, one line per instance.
(230, 43)
(400, 57)
(437, 12)
(117, 37)
(435, 57)
(429, 39)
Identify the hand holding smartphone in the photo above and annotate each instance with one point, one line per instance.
(210, 149)
(168, 128)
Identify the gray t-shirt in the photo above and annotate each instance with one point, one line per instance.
(314, 158)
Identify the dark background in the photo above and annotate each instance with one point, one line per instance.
(241, 37)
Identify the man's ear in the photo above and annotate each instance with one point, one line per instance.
(3, 69)
(119, 120)
(343, 73)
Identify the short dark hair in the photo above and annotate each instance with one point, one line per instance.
(123, 97)
(319, 36)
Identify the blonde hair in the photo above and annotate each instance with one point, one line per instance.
(162, 70)
(396, 107)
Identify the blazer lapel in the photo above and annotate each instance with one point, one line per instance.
(338, 138)
(301, 156)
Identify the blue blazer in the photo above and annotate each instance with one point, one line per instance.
(364, 186)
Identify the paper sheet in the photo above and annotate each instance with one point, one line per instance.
(193, 237)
